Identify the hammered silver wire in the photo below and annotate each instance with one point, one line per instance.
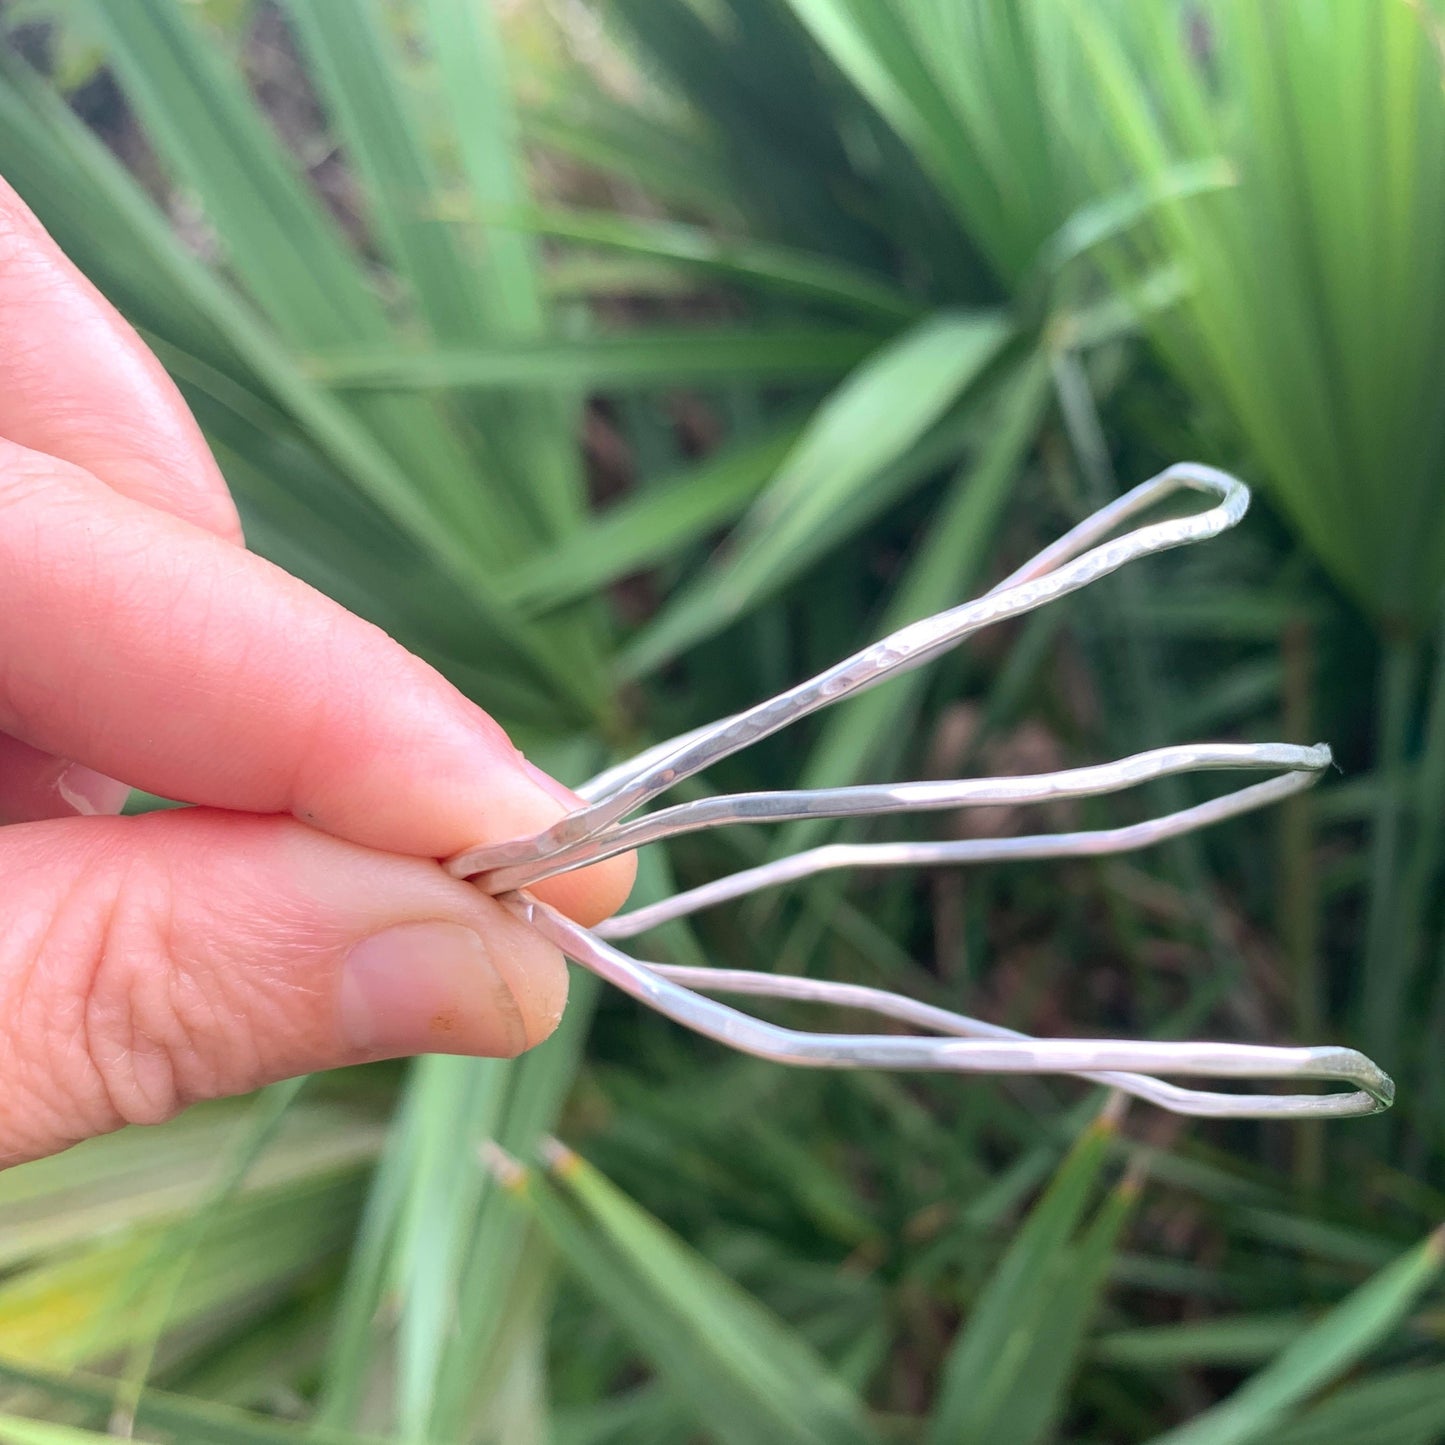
(600, 829)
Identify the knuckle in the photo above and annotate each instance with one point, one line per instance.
(193, 996)
(167, 1023)
(133, 988)
(114, 1026)
(129, 1026)
(68, 1072)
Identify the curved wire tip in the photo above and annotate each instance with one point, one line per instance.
(605, 826)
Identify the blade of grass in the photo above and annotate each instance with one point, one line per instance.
(1000, 135)
(155, 1176)
(440, 1252)
(644, 1416)
(646, 527)
(949, 562)
(1033, 1411)
(1403, 1407)
(14, 1431)
(1337, 132)
(669, 162)
(255, 1250)
(470, 59)
(781, 129)
(884, 409)
(754, 1379)
(199, 115)
(278, 237)
(1231, 1343)
(784, 269)
(525, 446)
(1383, 972)
(157, 1284)
(870, 42)
(639, 358)
(1262, 1405)
(185, 1416)
(498, 1244)
(366, 1290)
(457, 1103)
(360, 76)
(1112, 216)
(989, 1362)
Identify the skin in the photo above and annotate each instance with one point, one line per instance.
(296, 919)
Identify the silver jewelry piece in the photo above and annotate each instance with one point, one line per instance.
(604, 827)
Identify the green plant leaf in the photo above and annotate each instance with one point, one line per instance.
(186, 1417)
(637, 358)
(741, 1372)
(649, 526)
(776, 268)
(255, 1250)
(54, 160)
(949, 561)
(1316, 291)
(1398, 1407)
(15, 1431)
(1260, 1406)
(1038, 1297)
(1235, 1341)
(874, 419)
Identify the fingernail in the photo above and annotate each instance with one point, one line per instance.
(90, 793)
(428, 987)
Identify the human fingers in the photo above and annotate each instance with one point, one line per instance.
(35, 785)
(148, 649)
(77, 383)
(150, 962)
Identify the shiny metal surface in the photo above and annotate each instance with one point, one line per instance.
(976, 1048)
(1305, 763)
(954, 852)
(1066, 566)
(603, 827)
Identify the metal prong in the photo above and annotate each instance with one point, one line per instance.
(957, 1043)
(944, 1021)
(898, 798)
(954, 852)
(1054, 573)
(1121, 1063)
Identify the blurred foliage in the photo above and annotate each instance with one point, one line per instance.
(630, 360)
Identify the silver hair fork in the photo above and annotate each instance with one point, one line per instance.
(604, 827)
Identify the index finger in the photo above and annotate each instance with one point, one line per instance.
(150, 650)
(77, 382)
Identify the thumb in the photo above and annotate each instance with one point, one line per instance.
(150, 962)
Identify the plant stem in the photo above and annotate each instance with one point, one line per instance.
(1428, 805)
(1419, 910)
(1432, 1086)
(1299, 901)
(1385, 967)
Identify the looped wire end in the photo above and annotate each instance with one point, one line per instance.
(604, 826)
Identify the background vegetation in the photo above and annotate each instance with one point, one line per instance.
(632, 359)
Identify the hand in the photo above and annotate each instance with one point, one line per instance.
(296, 921)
